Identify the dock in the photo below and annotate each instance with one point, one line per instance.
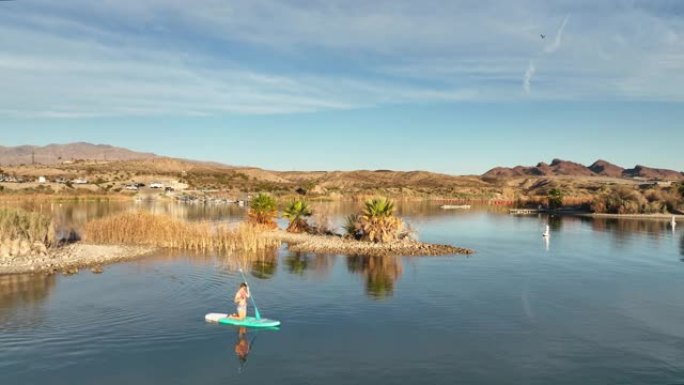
(524, 211)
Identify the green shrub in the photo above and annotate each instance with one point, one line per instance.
(555, 198)
(262, 210)
(296, 212)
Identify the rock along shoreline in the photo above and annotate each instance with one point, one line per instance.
(68, 259)
(331, 244)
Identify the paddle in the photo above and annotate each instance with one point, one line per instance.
(256, 309)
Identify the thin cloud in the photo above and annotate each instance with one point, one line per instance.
(553, 47)
(527, 79)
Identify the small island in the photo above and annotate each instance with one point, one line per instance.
(30, 244)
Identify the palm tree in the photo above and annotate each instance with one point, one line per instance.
(262, 210)
(379, 207)
(295, 212)
(377, 223)
(351, 227)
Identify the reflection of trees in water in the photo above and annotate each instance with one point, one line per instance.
(297, 263)
(555, 223)
(261, 264)
(22, 289)
(381, 272)
(264, 264)
(300, 263)
(681, 245)
(623, 228)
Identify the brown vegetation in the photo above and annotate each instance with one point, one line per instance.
(630, 200)
(31, 227)
(141, 228)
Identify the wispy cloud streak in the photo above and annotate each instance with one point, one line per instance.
(549, 49)
(527, 79)
(553, 47)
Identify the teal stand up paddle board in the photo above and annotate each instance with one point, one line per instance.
(250, 322)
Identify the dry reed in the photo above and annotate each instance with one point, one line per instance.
(17, 224)
(142, 228)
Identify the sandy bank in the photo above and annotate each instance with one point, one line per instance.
(329, 244)
(668, 217)
(69, 258)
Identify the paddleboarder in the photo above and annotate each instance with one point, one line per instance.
(241, 302)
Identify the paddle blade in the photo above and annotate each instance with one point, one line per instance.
(256, 313)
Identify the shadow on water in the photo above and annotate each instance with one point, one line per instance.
(380, 273)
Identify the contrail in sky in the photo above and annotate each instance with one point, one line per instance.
(553, 47)
(549, 49)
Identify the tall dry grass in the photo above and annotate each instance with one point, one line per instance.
(21, 225)
(142, 228)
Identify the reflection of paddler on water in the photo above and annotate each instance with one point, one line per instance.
(242, 346)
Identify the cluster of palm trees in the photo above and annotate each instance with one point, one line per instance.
(374, 223)
(263, 211)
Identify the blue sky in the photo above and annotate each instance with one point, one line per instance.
(452, 86)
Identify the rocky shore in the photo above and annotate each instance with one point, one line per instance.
(67, 259)
(20, 257)
(331, 244)
(659, 216)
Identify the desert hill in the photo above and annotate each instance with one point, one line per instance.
(60, 153)
(567, 168)
(109, 168)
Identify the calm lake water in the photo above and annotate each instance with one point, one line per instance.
(601, 303)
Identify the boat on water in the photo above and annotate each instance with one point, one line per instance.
(455, 207)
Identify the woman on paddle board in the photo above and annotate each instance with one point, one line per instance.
(241, 302)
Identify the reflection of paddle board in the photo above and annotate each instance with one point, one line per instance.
(250, 322)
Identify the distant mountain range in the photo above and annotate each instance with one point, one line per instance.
(60, 153)
(560, 167)
(55, 154)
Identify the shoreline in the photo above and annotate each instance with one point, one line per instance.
(68, 259)
(332, 244)
(630, 216)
